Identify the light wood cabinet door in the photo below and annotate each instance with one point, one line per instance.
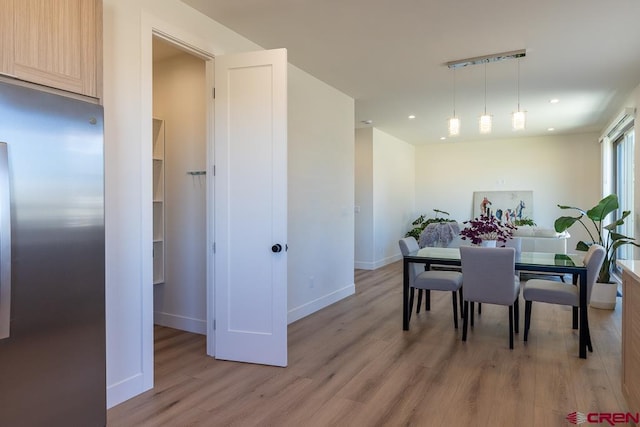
(631, 341)
(55, 43)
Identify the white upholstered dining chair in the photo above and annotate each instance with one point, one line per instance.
(489, 277)
(554, 292)
(431, 280)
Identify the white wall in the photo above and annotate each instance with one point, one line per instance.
(179, 89)
(386, 169)
(364, 235)
(558, 169)
(320, 181)
(320, 195)
(393, 193)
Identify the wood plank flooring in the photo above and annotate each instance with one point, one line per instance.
(352, 365)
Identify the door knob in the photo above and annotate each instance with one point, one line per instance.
(276, 248)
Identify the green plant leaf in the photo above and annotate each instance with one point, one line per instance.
(603, 208)
(616, 244)
(572, 207)
(617, 236)
(582, 246)
(419, 220)
(617, 222)
(564, 222)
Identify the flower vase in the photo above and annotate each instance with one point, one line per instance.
(488, 243)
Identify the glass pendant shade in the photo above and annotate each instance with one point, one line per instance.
(518, 120)
(454, 126)
(485, 123)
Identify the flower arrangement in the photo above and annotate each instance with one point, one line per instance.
(486, 228)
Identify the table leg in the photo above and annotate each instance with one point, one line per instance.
(405, 296)
(584, 328)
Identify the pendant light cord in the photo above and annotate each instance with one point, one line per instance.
(485, 88)
(518, 85)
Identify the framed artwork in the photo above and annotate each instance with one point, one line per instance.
(506, 206)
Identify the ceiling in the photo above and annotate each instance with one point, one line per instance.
(391, 56)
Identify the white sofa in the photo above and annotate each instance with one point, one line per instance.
(534, 239)
(539, 239)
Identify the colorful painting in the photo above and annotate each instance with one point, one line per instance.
(506, 206)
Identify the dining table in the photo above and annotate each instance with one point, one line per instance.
(534, 262)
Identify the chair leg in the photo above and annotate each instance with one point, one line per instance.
(454, 299)
(471, 312)
(479, 308)
(527, 318)
(516, 313)
(412, 292)
(589, 346)
(465, 319)
(427, 300)
(575, 317)
(419, 301)
(511, 327)
(461, 302)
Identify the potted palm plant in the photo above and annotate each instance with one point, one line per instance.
(605, 291)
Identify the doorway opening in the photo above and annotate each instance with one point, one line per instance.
(179, 188)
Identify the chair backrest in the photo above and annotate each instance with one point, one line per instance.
(408, 245)
(515, 243)
(593, 261)
(488, 274)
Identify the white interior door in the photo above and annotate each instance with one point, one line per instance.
(250, 158)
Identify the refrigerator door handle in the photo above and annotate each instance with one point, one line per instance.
(5, 244)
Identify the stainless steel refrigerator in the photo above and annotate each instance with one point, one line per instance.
(52, 315)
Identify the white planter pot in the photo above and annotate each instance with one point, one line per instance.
(604, 295)
(488, 243)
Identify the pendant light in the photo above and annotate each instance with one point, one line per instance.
(485, 122)
(454, 121)
(485, 119)
(518, 118)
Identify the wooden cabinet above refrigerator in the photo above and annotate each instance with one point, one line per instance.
(56, 43)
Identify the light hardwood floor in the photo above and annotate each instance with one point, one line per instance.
(352, 365)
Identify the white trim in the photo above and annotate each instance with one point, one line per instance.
(125, 389)
(149, 24)
(373, 265)
(189, 324)
(627, 115)
(320, 303)
(210, 208)
(146, 216)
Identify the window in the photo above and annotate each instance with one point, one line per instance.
(623, 183)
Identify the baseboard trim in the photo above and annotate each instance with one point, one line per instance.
(126, 389)
(366, 265)
(182, 323)
(320, 303)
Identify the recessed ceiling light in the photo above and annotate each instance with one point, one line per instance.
(367, 122)
(551, 129)
(554, 101)
(442, 138)
(411, 117)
